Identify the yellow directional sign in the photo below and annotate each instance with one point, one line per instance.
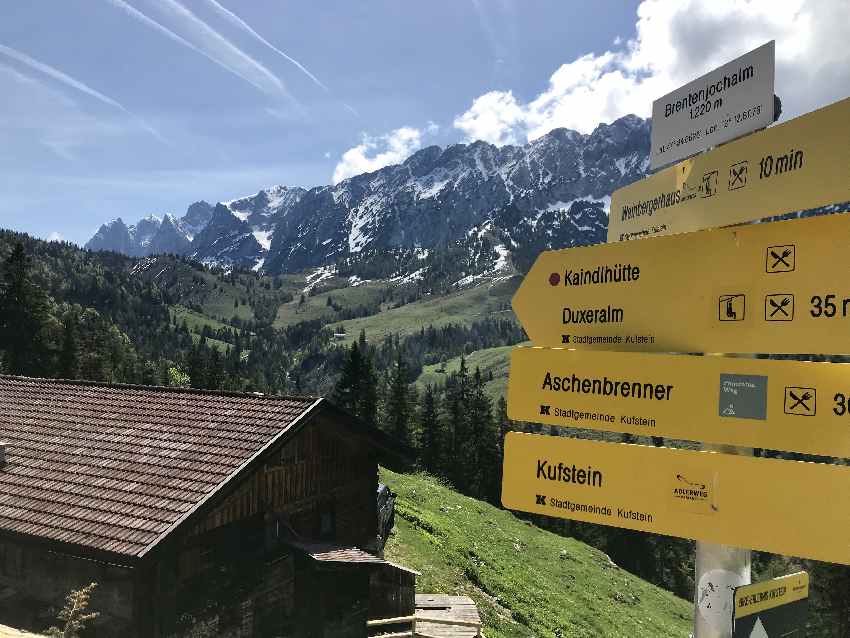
(784, 507)
(776, 607)
(793, 406)
(782, 287)
(801, 164)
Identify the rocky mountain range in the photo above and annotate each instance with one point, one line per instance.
(551, 192)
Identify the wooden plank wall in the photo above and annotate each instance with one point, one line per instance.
(320, 462)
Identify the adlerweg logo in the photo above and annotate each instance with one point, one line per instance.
(693, 492)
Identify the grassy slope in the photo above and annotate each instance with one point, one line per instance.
(216, 297)
(462, 307)
(316, 306)
(526, 581)
(496, 360)
(195, 320)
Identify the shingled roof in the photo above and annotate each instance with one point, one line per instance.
(115, 467)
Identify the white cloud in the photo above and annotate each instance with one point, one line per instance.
(376, 152)
(494, 117)
(677, 41)
(55, 236)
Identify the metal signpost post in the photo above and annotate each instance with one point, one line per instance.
(767, 288)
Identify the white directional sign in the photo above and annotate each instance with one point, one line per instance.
(726, 103)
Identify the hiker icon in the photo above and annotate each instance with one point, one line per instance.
(709, 184)
(779, 307)
(779, 259)
(732, 307)
(800, 401)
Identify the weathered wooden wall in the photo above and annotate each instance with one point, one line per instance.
(35, 578)
(392, 592)
(321, 473)
(318, 486)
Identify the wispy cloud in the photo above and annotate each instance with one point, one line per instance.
(239, 22)
(56, 74)
(497, 47)
(35, 83)
(211, 44)
(67, 80)
(224, 47)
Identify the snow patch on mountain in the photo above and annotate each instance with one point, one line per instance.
(408, 278)
(264, 238)
(317, 276)
(355, 281)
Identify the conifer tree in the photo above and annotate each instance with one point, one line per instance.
(502, 427)
(23, 317)
(345, 393)
(457, 421)
(69, 361)
(398, 401)
(196, 365)
(368, 400)
(215, 370)
(431, 436)
(356, 390)
(503, 423)
(486, 482)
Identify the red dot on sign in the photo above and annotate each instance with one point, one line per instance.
(554, 279)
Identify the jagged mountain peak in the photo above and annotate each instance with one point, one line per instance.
(227, 240)
(423, 160)
(561, 180)
(437, 194)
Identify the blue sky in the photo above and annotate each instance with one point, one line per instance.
(131, 107)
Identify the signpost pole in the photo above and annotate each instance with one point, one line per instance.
(718, 570)
(722, 568)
